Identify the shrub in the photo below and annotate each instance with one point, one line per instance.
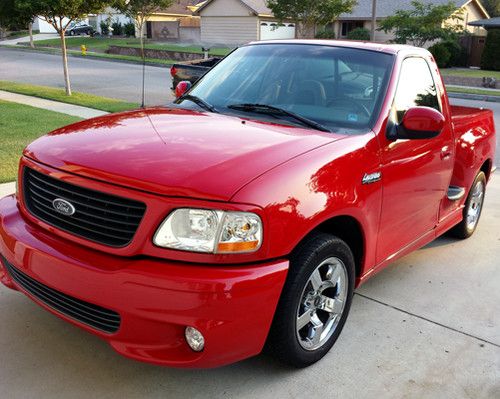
(325, 34)
(104, 27)
(441, 54)
(490, 58)
(129, 29)
(455, 51)
(359, 34)
(117, 28)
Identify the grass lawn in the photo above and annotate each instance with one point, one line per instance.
(52, 93)
(470, 73)
(19, 125)
(99, 44)
(480, 92)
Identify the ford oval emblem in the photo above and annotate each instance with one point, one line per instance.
(63, 206)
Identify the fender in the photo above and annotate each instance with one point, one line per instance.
(306, 191)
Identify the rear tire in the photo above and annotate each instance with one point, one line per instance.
(472, 209)
(315, 301)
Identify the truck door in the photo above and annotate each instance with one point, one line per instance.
(415, 173)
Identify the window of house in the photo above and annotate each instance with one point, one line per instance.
(348, 26)
(415, 88)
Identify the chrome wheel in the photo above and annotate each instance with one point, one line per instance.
(475, 204)
(322, 304)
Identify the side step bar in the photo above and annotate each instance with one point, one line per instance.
(455, 193)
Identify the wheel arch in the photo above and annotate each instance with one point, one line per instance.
(348, 229)
(486, 168)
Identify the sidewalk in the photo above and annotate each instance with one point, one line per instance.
(26, 39)
(69, 109)
(7, 189)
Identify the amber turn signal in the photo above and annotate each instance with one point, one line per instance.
(245, 246)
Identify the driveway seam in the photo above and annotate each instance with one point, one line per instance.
(428, 320)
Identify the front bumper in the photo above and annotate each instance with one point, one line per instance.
(232, 306)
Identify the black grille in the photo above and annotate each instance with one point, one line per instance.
(94, 316)
(99, 217)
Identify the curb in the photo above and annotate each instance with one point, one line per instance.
(7, 188)
(477, 97)
(88, 56)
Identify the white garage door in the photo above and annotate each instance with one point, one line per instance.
(274, 30)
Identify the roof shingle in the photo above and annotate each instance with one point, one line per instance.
(385, 8)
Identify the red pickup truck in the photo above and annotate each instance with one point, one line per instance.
(243, 216)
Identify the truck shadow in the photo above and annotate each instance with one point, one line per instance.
(442, 241)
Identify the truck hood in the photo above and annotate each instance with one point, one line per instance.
(174, 152)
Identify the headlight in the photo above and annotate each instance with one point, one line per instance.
(203, 230)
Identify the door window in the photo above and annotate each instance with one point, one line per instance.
(415, 88)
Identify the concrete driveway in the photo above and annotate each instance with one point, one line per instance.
(426, 327)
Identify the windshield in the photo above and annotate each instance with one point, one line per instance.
(339, 88)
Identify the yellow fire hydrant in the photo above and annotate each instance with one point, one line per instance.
(83, 47)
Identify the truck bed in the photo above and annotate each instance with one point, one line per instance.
(475, 141)
(191, 70)
(465, 118)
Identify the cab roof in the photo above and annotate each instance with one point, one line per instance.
(373, 46)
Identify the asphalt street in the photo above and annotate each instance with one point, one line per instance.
(103, 78)
(426, 327)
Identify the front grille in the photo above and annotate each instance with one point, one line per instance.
(92, 315)
(99, 217)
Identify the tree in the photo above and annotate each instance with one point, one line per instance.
(140, 11)
(490, 59)
(12, 15)
(424, 23)
(310, 13)
(492, 6)
(441, 54)
(60, 14)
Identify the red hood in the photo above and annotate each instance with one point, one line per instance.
(174, 152)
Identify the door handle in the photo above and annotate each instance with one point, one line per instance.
(445, 152)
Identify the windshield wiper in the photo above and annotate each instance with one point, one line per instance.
(269, 109)
(198, 101)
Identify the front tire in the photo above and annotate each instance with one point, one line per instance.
(315, 301)
(472, 209)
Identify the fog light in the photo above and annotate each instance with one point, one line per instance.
(195, 339)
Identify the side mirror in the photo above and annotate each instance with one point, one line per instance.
(182, 87)
(418, 123)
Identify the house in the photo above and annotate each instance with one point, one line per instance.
(42, 26)
(108, 16)
(175, 23)
(234, 22)
(360, 17)
(488, 23)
